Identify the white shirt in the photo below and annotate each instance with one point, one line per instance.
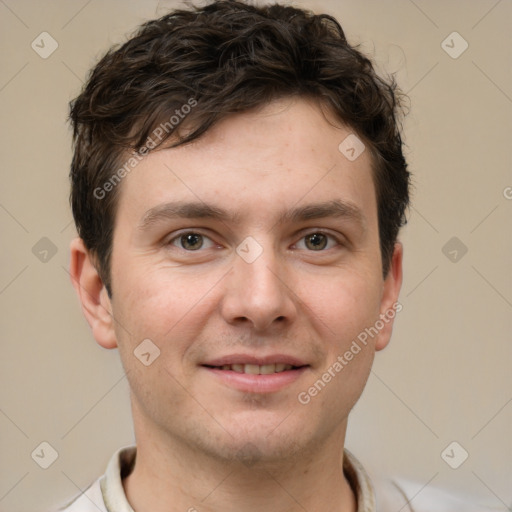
(106, 494)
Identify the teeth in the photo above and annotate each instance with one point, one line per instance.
(267, 369)
(254, 369)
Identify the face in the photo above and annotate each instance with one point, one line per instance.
(251, 259)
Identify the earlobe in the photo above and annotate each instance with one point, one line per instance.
(93, 295)
(390, 306)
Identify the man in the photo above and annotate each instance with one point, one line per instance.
(238, 186)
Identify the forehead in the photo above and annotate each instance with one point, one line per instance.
(257, 164)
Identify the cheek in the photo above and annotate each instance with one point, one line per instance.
(346, 305)
(162, 305)
(153, 307)
(346, 309)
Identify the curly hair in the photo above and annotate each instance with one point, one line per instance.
(219, 59)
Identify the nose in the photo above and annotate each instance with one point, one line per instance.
(259, 294)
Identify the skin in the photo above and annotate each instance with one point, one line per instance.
(200, 442)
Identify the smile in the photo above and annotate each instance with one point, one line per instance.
(255, 369)
(255, 374)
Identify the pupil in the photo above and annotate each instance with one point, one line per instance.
(192, 241)
(317, 240)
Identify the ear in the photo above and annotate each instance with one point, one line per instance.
(93, 295)
(389, 305)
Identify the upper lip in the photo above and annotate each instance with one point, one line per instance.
(252, 359)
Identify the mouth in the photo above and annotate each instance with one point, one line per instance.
(251, 374)
(255, 369)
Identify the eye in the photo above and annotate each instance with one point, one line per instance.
(318, 241)
(191, 241)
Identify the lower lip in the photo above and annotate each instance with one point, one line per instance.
(249, 383)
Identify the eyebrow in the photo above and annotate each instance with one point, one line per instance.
(200, 210)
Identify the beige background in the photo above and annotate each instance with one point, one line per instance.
(445, 377)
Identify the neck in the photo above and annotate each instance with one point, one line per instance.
(170, 476)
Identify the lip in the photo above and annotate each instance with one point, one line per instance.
(250, 383)
(251, 359)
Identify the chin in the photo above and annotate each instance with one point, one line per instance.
(265, 440)
(254, 452)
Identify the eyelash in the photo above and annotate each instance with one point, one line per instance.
(191, 232)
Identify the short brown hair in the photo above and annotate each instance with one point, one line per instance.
(220, 59)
